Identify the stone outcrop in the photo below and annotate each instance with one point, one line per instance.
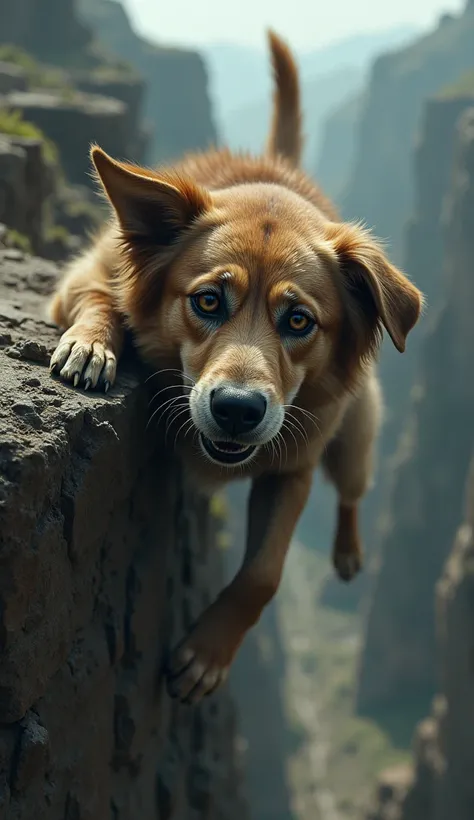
(176, 104)
(337, 148)
(49, 29)
(440, 785)
(130, 89)
(380, 189)
(106, 556)
(25, 185)
(426, 501)
(12, 78)
(73, 121)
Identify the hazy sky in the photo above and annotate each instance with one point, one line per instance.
(305, 23)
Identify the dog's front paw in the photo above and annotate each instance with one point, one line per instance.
(80, 358)
(347, 564)
(200, 664)
(194, 673)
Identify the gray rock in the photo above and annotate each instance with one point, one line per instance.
(12, 78)
(74, 121)
(92, 594)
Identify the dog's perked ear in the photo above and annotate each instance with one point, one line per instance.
(148, 204)
(383, 292)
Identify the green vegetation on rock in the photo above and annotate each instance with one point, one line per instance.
(37, 74)
(13, 125)
(464, 87)
(15, 239)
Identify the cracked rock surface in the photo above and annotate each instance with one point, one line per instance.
(105, 558)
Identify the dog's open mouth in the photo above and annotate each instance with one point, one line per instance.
(226, 452)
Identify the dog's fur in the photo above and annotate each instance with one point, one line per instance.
(256, 237)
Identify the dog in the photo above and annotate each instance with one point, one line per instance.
(237, 277)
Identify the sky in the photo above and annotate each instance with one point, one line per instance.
(306, 24)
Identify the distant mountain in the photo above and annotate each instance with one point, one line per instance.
(247, 128)
(337, 147)
(240, 84)
(177, 103)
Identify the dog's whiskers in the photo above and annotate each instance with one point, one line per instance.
(297, 425)
(174, 370)
(290, 431)
(306, 413)
(184, 424)
(175, 414)
(167, 406)
(171, 387)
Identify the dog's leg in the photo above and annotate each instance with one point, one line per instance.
(202, 661)
(348, 463)
(87, 352)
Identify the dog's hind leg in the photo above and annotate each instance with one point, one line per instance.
(348, 463)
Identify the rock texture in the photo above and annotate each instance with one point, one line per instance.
(73, 122)
(105, 558)
(49, 29)
(25, 185)
(380, 189)
(130, 90)
(427, 495)
(336, 152)
(12, 78)
(440, 787)
(177, 105)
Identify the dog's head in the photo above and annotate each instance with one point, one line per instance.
(259, 294)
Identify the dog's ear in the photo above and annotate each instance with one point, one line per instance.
(382, 292)
(150, 205)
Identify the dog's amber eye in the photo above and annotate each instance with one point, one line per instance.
(208, 302)
(299, 323)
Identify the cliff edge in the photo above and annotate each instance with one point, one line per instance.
(440, 785)
(105, 558)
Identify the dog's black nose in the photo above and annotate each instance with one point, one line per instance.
(237, 411)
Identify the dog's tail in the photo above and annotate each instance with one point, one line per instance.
(285, 136)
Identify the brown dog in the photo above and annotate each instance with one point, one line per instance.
(236, 274)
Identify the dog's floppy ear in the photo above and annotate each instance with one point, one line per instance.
(148, 204)
(374, 282)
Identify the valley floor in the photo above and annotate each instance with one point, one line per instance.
(336, 756)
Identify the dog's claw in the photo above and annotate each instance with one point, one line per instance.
(77, 358)
(347, 565)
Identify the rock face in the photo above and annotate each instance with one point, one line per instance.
(106, 557)
(427, 494)
(440, 786)
(177, 105)
(25, 184)
(73, 123)
(49, 29)
(424, 254)
(380, 190)
(130, 90)
(12, 78)
(336, 152)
